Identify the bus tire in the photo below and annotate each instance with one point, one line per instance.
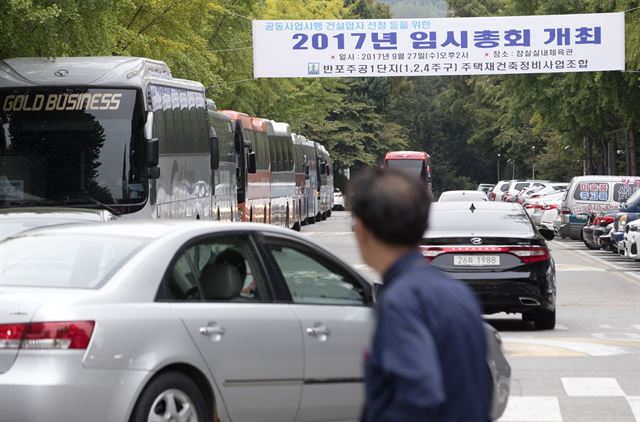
(329, 213)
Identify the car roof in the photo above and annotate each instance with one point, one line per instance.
(156, 229)
(478, 205)
(51, 213)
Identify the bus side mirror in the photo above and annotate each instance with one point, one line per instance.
(306, 171)
(153, 158)
(237, 138)
(328, 169)
(214, 147)
(251, 162)
(323, 168)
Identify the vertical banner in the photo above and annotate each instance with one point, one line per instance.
(447, 46)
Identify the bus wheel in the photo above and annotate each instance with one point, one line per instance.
(329, 213)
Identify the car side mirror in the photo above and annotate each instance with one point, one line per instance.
(214, 148)
(153, 158)
(251, 162)
(376, 288)
(623, 206)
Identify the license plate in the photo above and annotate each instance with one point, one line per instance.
(476, 260)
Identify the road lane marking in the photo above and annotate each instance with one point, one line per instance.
(592, 387)
(628, 276)
(532, 409)
(634, 403)
(577, 268)
(521, 346)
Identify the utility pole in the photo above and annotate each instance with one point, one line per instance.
(533, 163)
(498, 167)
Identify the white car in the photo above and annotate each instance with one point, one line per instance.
(462, 195)
(338, 200)
(544, 210)
(632, 240)
(185, 321)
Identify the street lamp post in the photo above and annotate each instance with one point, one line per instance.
(499, 167)
(533, 163)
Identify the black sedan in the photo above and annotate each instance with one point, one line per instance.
(495, 248)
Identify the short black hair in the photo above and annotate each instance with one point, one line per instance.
(392, 204)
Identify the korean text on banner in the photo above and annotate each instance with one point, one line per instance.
(448, 46)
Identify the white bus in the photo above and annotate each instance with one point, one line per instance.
(118, 133)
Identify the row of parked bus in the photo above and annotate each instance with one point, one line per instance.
(122, 133)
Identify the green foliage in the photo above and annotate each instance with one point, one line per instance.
(463, 122)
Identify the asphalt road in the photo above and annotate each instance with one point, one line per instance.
(588, 368)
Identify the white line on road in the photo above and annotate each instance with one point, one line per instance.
(634, 403)
(592, 387)
(532, 409)
(592, 349)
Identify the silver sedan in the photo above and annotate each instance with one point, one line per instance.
(181, 321)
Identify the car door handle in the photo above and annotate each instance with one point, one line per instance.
(213, 330)
(318, 330)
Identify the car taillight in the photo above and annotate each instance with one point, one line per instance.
(46, 335)
(606, 220)
(430, 253)
(492, 196)
(527, 254)
(566, 211)
(534, 206)
(531, 255)
(550, 207)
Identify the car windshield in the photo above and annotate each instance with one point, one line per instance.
(410, 166)
(488, 220)
(66, 144)
(63, 260)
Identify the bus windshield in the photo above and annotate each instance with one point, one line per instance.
(60, 146)
(411, 166)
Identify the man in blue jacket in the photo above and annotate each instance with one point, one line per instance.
(428, 357)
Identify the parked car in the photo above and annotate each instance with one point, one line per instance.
(338, 200)
(521, 186)
(499, 189)
(593, 193)
(16, 220)
(495, 248)
(632, 240)
(596, 227)
(628, 212)
(462, 195)
(545, 210)
(486, 187)
(183, 320)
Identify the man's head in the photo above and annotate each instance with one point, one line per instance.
(390, 210)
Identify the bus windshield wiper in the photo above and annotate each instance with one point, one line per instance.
(88, 197)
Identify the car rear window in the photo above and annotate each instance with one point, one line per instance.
(520, 186)
(622, 192)
(498, 221)
(65, 261)
(505, 187)
(592, 191)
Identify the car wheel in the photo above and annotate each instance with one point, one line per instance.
(589, 245)
(527, 317)
(171, 396)
(545, 320)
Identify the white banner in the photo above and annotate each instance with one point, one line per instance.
(448, 46)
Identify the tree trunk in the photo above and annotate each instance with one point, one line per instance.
(632, 156)
(612, 158)
(588, 158)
